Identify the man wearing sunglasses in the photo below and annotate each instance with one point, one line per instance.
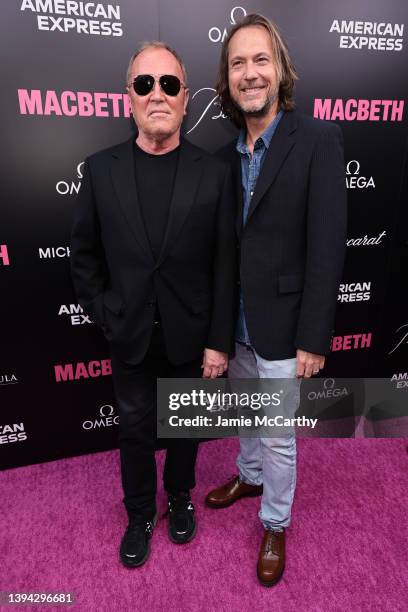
(153, 262)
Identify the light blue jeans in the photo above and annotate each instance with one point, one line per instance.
(269, 461)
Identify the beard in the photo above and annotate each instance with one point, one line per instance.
(262, 109)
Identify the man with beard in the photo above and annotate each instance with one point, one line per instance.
(289, 172)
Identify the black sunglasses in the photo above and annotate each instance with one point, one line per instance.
(144, 83)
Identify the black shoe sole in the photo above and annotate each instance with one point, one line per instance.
(139, 563)
(191, 536)
(230, 503)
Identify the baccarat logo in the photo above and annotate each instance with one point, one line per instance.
(82, 370)
(366, 240)
(94, 18)
(351, 342)
(4, 255)
(401, 339)
(204, 103)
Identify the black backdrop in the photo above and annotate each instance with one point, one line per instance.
(55, 386)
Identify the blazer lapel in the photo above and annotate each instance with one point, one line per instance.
(123, 177)
(185, 187)
(282, 142)
(237, 180)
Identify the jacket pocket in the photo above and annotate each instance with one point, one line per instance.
(113, 302)
(290, 283)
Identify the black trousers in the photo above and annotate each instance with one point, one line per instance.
(136, 395)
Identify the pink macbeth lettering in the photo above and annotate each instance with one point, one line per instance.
(352, 341)
(73, 103)
(358, 110)
(92, 369)
(4, 257)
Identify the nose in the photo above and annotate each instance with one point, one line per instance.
(157, 93)
(250, 71)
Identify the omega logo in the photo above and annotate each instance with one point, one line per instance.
(106, 410)
(65, 188)
(353, 178)
(217, 35)
(329, 391)
(108, 418)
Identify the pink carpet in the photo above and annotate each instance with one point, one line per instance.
(61, 523)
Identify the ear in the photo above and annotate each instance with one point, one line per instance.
(186, 99)
(128, 91)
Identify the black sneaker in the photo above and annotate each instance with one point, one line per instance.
(135, 544)
(182, 524)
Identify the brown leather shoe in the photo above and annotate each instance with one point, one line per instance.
(229, 493)
(271, 561)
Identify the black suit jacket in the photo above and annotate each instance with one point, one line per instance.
(116, 277)
(294, 241)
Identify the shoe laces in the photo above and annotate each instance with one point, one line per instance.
(137, 528)
(149, 528)
(178, 504)
(271, 541)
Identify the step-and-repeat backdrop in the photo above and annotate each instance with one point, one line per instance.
(63, 98)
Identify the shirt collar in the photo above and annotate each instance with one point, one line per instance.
(266, 137)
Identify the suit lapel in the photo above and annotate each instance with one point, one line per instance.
(237, 179)
(282, 142)
(185, 186)
(123, 177)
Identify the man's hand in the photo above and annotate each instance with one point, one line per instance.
(214, 363)
(308, 363)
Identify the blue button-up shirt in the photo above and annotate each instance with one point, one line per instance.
(250, 168)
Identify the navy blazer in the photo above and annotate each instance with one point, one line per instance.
(293, 245)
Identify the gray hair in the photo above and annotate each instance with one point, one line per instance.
(155, 44)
